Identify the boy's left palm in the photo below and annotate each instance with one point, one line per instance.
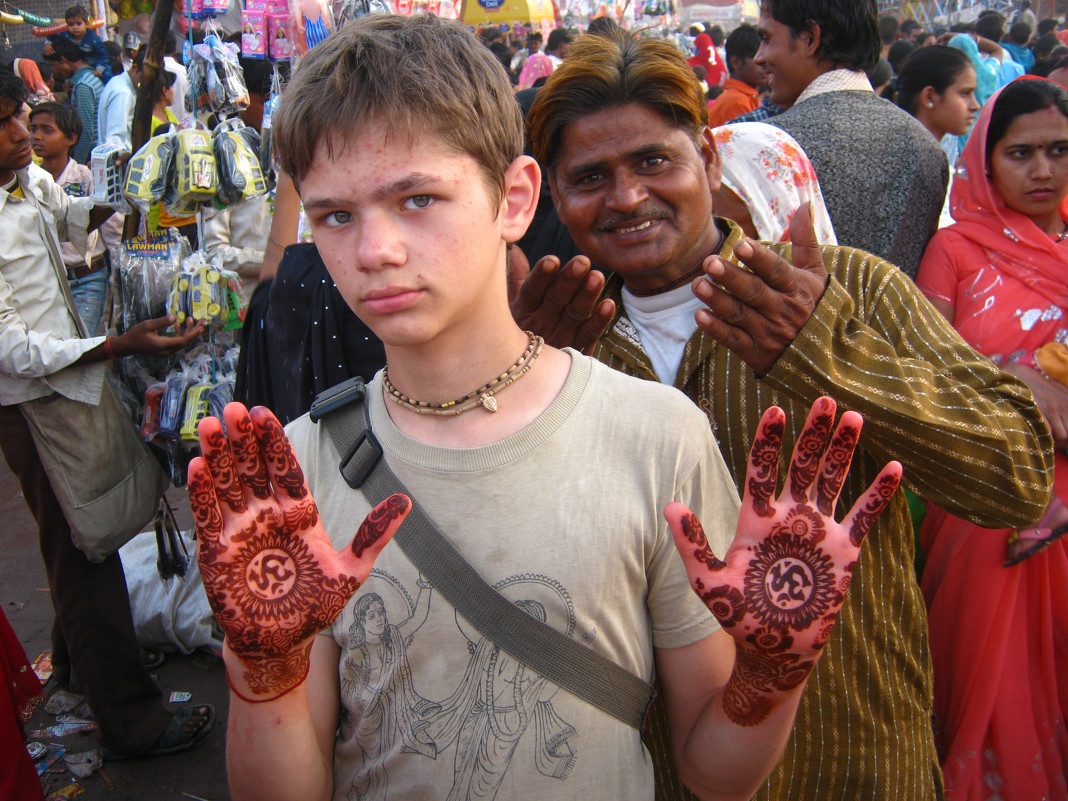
(787, 571)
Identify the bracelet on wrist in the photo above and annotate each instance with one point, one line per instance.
(286, 691)
(108, 350)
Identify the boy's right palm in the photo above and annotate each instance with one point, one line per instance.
(271, 574)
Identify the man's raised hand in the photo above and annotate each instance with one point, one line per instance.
(758, 314)
(272, 577)
(786, 573)
(558, 302)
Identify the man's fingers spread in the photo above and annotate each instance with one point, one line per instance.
(805, 251)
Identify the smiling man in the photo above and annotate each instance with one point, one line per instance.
(883, 176)
(622, 130)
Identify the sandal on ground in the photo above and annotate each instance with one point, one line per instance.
(152, 658)
(182, 733)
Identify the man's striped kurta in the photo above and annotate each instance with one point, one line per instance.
(970, 438)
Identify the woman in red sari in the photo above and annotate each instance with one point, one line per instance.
(21, 693)
(998, 600)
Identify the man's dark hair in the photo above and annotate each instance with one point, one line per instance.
(170, 44)
(889, 28)
(899, 51)
(1045, 26)
(608, 73)
(742, 44)
(63, 47)
(990, 25)
(1044, 45)
(908, 26)
(1020, 33)
(64, 115)
(13, 89)
(76, 12)
(849, 29)
(715, 33)
(557, 37)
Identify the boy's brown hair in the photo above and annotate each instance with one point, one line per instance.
(603, 72)
(420, 75)
(76, 12)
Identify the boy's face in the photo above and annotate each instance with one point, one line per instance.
(411, 234)
(77, 27)
(47, 140)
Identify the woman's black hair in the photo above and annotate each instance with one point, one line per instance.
(1024, 96)
(936, 66)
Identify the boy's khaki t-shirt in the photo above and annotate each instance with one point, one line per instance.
(565, 519)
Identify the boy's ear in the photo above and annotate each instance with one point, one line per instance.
(522, 185)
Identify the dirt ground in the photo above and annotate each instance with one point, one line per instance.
(196, 774)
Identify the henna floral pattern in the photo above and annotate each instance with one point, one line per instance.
(271, 575)
(764, 466)
(784, 578)
(246, 450)
(809, 448)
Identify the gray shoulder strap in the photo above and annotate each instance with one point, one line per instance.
(560, 659)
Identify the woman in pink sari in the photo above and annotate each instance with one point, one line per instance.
(998, 600)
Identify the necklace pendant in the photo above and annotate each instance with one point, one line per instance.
(489, 403)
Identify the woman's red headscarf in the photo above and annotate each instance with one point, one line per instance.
(981, 215)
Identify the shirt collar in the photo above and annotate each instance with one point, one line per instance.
(836, 81)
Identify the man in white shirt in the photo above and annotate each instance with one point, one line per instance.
(43, 352)
(181, 77)
(115, 112)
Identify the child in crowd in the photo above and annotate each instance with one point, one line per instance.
(54, 130)
(96, 54)
(553, 480)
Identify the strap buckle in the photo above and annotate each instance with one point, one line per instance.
(356, 472)
(337, 397)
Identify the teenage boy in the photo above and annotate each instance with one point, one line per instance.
(79, 32)
(54, 128)
(43, 352)
(740, 95)
(739, 327)
(414, 184)
(85, 90)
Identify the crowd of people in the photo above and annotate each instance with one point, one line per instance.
(825, 220)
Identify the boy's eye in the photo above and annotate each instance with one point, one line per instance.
(335, 218)
(418, 202)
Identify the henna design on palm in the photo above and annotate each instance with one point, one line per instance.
(272, 577)
(784, 578)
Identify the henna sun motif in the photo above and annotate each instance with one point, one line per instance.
(281, 578)
(790, 582)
